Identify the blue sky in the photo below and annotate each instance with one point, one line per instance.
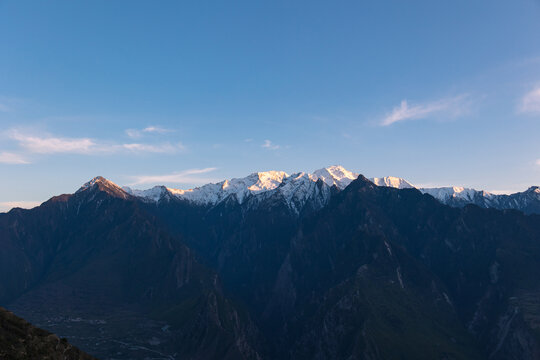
(183, 93)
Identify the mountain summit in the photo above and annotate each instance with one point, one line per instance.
(99, 183)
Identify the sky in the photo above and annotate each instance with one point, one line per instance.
(185, 93)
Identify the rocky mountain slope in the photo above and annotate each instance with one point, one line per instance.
(350, 270)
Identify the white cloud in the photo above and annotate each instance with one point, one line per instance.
(8, 205)
(133, 133)
(530, 103)
(56, 145)
(191, 176)
(269, 145)
(448, 107)
(160, 148)
(136, 133)
(51, 145)
(538, 162)
(11, 158)
(156, 129)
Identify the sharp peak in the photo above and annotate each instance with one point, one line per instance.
(103, 184)
(97, 180)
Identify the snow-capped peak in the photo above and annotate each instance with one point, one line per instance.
(336, 175)
(391, 181)
(299, 189)
(290, 186)
(241, 188)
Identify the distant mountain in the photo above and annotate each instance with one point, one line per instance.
(391, 181)
(527, 201)
(275, 266)
(21, 341)
(299, 189)
(295, 190)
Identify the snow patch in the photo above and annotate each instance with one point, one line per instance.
(391, 181)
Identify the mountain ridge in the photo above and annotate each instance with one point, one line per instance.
(297, 188)
(374, 273)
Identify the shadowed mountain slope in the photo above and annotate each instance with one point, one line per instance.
(371, 273)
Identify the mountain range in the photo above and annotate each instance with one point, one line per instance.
(329, 265)
(297, 188)
(527, 201)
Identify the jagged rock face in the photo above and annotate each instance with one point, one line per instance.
(20, 340)
(364, 273)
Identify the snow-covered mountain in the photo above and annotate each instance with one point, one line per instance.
(301, 188)
(527, 201)
(295, 189)
(391, 181)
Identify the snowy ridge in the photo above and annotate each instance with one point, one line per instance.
(241, 188)
(527, 201)
(391, 181)
(444, 194)
(295, 189)
(299, 189)
(153, 194)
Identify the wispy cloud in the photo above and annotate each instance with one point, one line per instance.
(538, 162)
(12, 158)
(270, 145)
(191, 176)
(137, 133)
(160, 148)
(530, 103)
(8, 205)
(51, 145)
(445, 107)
